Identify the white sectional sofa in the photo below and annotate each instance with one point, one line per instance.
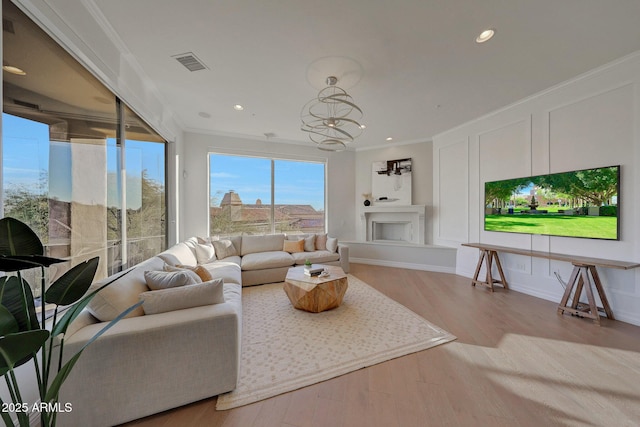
(148, 363)
(264, 260)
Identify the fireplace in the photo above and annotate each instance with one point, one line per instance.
(394, 224)
(391, 231)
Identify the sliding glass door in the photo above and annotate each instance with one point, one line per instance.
(78, 166)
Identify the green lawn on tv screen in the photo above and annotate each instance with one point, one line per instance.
(597, 227)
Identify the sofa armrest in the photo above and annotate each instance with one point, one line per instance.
(343, 250)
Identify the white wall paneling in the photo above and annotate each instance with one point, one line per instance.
(591, 121)
(452, 192)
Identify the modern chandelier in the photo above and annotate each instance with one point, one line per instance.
(332, 118)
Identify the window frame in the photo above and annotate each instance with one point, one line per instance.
(303, 159)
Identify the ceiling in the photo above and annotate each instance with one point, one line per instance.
(412, 66)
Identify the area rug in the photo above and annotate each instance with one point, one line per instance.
(284, 349)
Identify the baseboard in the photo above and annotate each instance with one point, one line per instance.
(534, 292)
(621, 315)
(407, 265)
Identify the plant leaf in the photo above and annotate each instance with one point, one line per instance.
(18, 346)
(17, 238)
(64, 372)
(6, 417)
(73, 284)
(16, 296)
(24, 262)
(61, 326)
(8, 323)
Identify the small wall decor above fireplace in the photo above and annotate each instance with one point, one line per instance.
(391, 182)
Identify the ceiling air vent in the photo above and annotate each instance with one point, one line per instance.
(26, 104)
(7, 26)
(190, 61)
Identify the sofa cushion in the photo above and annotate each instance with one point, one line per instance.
(224, 248)
(293, 246)
(157, 280)
(235, 259)
(195, 295)
(228, 271)
(107, 304)
(179, 254)
(263, 243)
(271, 259)
(316, 257)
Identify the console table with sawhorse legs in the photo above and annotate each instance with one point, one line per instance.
(583, 277)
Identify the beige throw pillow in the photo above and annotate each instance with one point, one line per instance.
(169, 279)
(321, 242)
(224, 248)
(310, 243)
(332, 244)
(189, 296)
(293, 246)
(205, 253)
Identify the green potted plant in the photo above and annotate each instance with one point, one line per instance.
(26, 338)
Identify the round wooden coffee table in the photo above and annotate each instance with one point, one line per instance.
(315, 294)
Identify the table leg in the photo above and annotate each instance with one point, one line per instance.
(600, 289)
(503, 280)
(567, 290)
(593, 308)
(581, 280)
(488, 257)
(478, 267)
(489, 266)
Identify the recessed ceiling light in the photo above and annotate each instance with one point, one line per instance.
(389, 139)
(14, 70)
(238, 107)
(204, 115)
(486, 35)
(363, 126)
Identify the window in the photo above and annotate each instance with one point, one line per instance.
(66, 142)
(254, 195)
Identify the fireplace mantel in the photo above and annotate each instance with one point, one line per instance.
(419, 209)
(412, 216)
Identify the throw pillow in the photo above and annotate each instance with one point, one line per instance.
(321, 242)
(332, 244)
(196, 295)
(200, 270)
(205, 253)
(310, 243)
(293, 246)
(224, 248)
(168, 279)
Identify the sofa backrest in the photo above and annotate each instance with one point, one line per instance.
(264, 243)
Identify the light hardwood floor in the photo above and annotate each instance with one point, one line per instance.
(515, 363)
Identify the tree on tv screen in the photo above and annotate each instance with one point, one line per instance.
(596, 186)
(503, 190)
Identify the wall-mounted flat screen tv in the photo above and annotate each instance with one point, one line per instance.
(583, 203)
